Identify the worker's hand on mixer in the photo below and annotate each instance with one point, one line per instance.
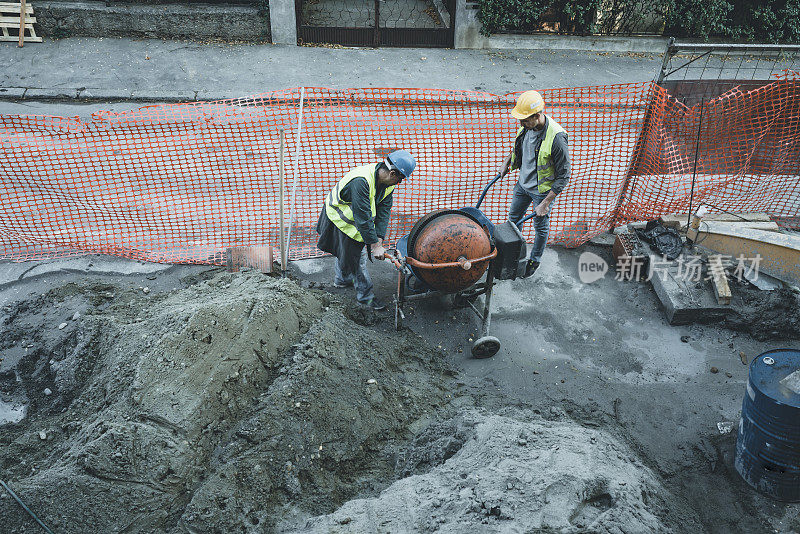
(505, 167)
(543, 208)
(378, 250)
(503, 170)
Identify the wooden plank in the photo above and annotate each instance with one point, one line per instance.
(13, 5)
(13, 22)
(713, 226)
(18, 16)
(21, 23)
(719, 281)
(686, 301)
(6, 37)
(260, 257)
(779, 252)
(14, 8)
(678, 220)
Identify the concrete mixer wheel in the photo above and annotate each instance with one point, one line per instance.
(485, 347)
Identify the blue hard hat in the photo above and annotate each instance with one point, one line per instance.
(401, 161)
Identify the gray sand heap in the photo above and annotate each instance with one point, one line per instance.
(245, 403)
(206, 409)
(513, 473)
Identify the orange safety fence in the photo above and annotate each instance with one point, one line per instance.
(180, 183)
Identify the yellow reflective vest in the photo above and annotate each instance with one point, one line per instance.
(544, 163)
(340, 212)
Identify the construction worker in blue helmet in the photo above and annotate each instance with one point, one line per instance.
(354, 218)
(542, 156)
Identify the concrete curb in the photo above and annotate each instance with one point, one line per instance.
(82, 94)
(651, 45)
(12, 93)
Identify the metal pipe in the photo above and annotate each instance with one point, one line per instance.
(22, 504)
(487, 300)
(668, 53)
(696, 155)
(282, 194)
(296, 167)
(423, 265)
(734, 46)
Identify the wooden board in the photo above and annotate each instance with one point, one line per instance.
(719, 281)
(678, 220)
(715, 226)
(778, 253)
(9, 23)
(260, 257)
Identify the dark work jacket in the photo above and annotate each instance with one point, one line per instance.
(357, 194)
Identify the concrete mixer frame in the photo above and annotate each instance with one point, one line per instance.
(485, 346)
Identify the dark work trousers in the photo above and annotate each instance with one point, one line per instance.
(520, 202)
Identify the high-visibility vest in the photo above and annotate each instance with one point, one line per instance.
(544, 163)
(340, 212)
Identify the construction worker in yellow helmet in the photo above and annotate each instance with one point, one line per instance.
(542, 156)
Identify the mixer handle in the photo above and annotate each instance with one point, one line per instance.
(393, 256)
(486, 190)
(462, 262)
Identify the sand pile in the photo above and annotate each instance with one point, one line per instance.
(205, 409)
(245, 403)
(512, 473)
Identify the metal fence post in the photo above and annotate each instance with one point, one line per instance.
(376, 36)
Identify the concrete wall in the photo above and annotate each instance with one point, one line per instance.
(60, 18)
(283, 22)
(468, 35)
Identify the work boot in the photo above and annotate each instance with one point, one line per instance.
(346, 283)
(374, 304)
(530, 268)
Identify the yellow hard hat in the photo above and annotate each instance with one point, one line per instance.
(528, 103)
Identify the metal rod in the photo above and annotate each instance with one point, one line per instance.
(477, 310)
(687, 64)
(487, 300)
(297, 149)
(19, 502)
(732, 46)
(696, 155)
(281, 188)
(630, 179)
(399, 316)
(376, 36)
(668, 53)
(423, 265)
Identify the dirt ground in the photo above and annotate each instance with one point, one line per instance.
(195, 400)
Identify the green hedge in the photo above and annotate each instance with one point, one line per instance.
(765, 21)
(526, 16)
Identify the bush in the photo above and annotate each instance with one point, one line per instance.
(527, 16)
(690, 18)
(767, 22)
(762, 21)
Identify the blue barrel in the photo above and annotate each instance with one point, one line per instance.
(768, 445)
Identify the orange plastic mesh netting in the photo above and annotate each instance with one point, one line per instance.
(182, 182)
